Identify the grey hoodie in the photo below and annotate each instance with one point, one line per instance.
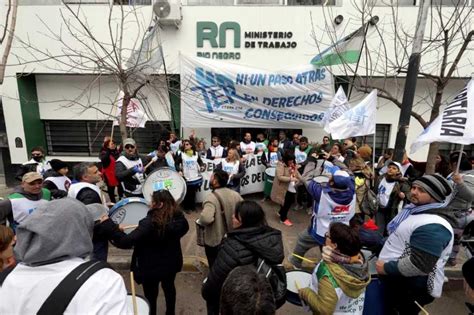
(59, 230)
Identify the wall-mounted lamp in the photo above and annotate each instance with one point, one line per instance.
(374, 20)
(338, 19)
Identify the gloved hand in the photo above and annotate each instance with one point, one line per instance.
(137, 169)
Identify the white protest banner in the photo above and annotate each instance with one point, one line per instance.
(220, 94)
(339, 105)
(357, 121)
(455, 124)
(136, 117)
(252, 182)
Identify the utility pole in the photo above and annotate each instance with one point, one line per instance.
(410, 81)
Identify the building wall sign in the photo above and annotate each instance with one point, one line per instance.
(212, 38)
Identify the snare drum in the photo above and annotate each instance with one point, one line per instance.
(165, 178)
(129, 211)
(195, 181)
(142, 305)
(300, 277)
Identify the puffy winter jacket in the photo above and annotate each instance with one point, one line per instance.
(242, 247)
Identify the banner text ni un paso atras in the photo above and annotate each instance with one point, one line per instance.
(218, 94)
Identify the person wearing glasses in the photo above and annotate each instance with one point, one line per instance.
(326, 145)
(24, 200)
(129, 169)
(216, 151)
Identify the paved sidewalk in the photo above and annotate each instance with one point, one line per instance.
(195, 259)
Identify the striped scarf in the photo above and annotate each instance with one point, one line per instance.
(413, 209)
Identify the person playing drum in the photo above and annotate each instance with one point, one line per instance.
(129, 169)
(189, 165)
(338, 282)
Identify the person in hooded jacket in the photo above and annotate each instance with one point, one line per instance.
(339, 281)
(56, 180)
(332, 201)
(391, 189)
(362, 178)
(251, 239)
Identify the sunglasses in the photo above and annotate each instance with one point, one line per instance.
(128, 146)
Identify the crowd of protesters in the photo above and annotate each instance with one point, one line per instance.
(52, 225)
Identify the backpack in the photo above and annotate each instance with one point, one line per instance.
(369, 203)
(276, 276)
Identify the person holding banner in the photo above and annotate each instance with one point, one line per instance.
(234, 168)
(189, 165)
(463, 180)
(247, 146)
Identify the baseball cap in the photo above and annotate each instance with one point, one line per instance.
(129, 141)
(398, 165)
(31, 177)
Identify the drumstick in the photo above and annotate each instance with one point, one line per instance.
(421, 308)
(149, 163)
(298, 289)
(302, 258)
(134, 298)
(131, 226)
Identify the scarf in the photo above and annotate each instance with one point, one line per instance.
(413, 209)
(189, 153)
(333, 255)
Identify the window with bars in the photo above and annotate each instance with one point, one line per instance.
(382, 137)
(85, 138)
(446, 148)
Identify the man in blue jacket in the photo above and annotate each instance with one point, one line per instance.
(333, 202)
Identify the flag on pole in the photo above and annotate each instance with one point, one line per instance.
(136, 117)
(455, 124)
(357, 121)
(338, 106)
(346, 50)
(148, 59)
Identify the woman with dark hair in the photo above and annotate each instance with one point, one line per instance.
(157, 255)
(250, 240)
(189, 165)
(284, 186)
(337, 153)
(462, 198)
(7, 241)
(338, 282)
(108, 155)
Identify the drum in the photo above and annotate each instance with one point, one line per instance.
(269, 176)
(165, 178)
(142, 305)
(194, 182)
(294, 277)
(129, 211)
(374, 303)
(321, 179)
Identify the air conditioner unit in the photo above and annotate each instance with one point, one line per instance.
(168, 12)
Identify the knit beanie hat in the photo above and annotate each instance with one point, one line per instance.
(435, 185)
(468, 272)
(57, 164)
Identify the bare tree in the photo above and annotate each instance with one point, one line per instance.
(445, 44)
(130, 54)
(7, 33)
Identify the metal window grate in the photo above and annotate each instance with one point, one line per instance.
(85, 138)
(382, 136)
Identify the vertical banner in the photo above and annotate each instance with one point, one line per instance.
(252, 182)
(226, 95)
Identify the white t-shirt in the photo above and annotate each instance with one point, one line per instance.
(26, 288)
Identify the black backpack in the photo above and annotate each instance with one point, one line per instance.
(276, 275)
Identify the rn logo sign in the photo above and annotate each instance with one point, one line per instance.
(218, 37)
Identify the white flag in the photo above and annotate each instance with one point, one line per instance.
(136, 117)
(148, 59)
(357, 121)
(455, 124)
(338, 106)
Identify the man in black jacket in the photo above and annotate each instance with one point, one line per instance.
(86, 190)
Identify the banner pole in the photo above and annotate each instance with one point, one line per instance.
(459, 159)
(373, 159)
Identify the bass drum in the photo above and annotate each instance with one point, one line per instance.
(129, 211)
(165, 178)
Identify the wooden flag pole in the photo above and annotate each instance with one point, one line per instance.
(134, 298)
(459, 159)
